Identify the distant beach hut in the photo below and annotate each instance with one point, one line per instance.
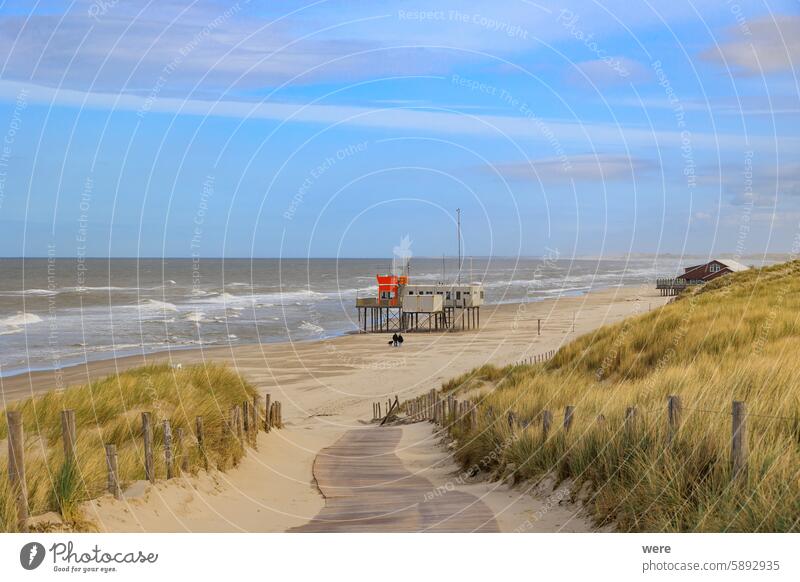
(699, 274)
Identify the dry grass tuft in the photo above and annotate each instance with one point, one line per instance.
(109, 412)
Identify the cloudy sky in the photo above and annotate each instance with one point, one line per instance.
(334, 128)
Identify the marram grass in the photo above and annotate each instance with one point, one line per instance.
(736, 338)
(109, 411)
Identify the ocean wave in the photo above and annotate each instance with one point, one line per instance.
(196, 317)
(67, 290)
(43, 292)
(16, 323)
(311, 327)
(21, 318)
(232, 301)
(226, 297)
(155, 305)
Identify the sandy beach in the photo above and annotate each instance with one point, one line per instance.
(327, 388)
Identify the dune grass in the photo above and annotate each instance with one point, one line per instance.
(736, 338)
(108, 411)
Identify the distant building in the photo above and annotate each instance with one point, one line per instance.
(404, 306)
(453, 295)
(698, 274)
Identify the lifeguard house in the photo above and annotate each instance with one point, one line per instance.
(405, 307)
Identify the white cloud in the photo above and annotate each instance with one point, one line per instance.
(585, 135)
(769, 45)
(586, 167)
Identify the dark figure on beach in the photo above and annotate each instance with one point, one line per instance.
(394, 340)
(400, 340)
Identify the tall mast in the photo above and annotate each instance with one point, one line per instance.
(458, 231)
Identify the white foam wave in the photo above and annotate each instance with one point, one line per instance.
(196, 317)
(21, 318)
(311, 327)
(155, 305)
(43, 292)
(16, 323)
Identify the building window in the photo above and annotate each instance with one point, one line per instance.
(714, 268)
(458, 295)
(410, 292)
(447, 296)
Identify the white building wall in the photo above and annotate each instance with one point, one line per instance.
(464, 295)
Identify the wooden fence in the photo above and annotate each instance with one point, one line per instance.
(535, 358)
(447, 412)
(243, 422)
(422, 403)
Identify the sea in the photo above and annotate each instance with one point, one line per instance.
(56, 312)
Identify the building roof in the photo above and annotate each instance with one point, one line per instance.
(733, 265)
(729, 263)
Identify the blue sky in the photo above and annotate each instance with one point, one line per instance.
(335, 128)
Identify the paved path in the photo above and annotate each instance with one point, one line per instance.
(367, 488)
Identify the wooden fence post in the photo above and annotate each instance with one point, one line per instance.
(246, 418)
(69, 435)
(256, 424)
(16, 465)
(201, 438)
(267, 411)
(147, 433)
(538, 327)
(739, 441)
(568, 413)
(113, 474)
(168, 448)
(674, 416)
(276, 414)
(547, 421)
(234, 422)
